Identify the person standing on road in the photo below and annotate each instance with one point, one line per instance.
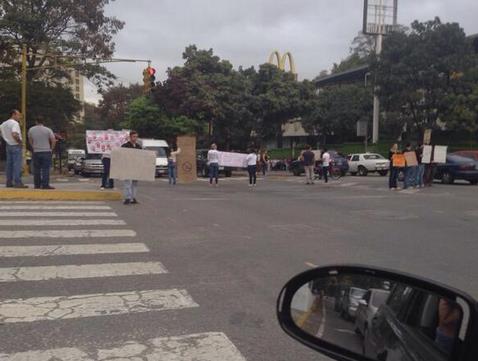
(12, 136)
(131, 186)
(252, 167)
(42, 140)
(172, 166)
(213, 162)
(420, 168)
(409, 171)
(106, 181)
(264, 162)
(325, 164)
(393, 176)
(308, 158)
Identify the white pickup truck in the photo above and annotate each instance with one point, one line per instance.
(161, 148)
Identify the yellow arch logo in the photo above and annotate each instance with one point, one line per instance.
(280, 61)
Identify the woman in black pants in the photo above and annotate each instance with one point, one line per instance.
(252, 168)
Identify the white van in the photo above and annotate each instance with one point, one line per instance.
(161, 148)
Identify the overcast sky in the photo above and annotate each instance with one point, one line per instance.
(316, 32)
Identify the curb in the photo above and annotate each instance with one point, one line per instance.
(58, 195)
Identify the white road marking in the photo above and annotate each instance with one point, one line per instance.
(72, 249)
(55, 207)
(61, 222)
(211, 346)
(92, 305)
(58, 214)
(75, 233)
(43, 273)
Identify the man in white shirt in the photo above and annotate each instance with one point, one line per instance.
(213, 161)
(12, 135)
(325, 164)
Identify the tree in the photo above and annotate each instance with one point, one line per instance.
(114, 104)
(337, 109)
(424, 75)
(76, 28)
(145, 116)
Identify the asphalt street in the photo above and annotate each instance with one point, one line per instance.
(192, 273)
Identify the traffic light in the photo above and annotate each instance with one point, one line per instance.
(149, 79)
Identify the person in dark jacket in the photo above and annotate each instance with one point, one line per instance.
(131, 186)
(393, 177)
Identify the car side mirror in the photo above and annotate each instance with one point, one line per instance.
(445, 320)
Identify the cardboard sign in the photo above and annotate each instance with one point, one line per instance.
(399, 161)
(186, 160)
(439, 154)
(235, 160)
(411, 159)
(104, 141)
(427, 154)
(133, 164)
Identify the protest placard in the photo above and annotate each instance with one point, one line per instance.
(427, 154)
(235, 160)
(439, 154)
(104, 141)
(411, 159)
(133, 164)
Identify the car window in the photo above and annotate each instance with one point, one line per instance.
(399, 298)
(355, 158)
(372, 156)
(160, 151)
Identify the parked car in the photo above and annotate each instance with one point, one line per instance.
(297, 167)
(160, 147)
(473, 154)
(457, 168)
(368, 307)
(203, 168)
(350, 302)
(364, 163)
(89, 165)
(73, 156)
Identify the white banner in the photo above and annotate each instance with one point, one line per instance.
(439, 155)
(235, 160)
(133, 164)
(104, 141)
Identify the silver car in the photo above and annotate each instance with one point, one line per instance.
(364, 163)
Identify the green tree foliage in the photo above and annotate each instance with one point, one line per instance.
(114, 105)
(78, 28)
(150, 121)
(426, 75)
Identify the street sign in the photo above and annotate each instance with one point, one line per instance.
(362, 128)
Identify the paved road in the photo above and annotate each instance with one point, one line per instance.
(192, 273)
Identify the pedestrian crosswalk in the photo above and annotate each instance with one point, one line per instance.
(42, 235)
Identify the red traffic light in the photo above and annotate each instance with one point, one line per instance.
(151, 71)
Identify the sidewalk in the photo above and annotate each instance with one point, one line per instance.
(67, 189)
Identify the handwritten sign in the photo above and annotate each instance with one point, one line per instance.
(439, 154)
(104, 141)
(235, 160)
(133, 164)
(427, 154)
(411, 158)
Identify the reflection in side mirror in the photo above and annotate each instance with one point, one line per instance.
(379, 315)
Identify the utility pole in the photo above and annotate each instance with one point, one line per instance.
(376, 100)
(24, 106)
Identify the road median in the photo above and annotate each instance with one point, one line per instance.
(58, 195)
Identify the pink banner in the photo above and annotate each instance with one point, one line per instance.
(104, 141)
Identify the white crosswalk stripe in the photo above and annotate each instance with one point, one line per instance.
(27, 222)
(210, 346)
(72, 249)
(42, 273)
(75, 233)
(101, 304)
(62, 222)
(57, 214)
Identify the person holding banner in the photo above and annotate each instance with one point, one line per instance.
(131, 186)
(172, 166)
(213, 162)
(252, 167)
(396, 162)
(106, 181)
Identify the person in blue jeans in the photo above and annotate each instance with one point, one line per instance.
(409, 171)
(130, 185)
(213, 161)
(42, 140)
(12, 135)
(172, 166)
(106, 181)
(420, 168)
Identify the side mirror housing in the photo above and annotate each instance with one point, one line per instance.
(443, 318)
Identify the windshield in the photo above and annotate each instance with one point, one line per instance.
(160, 151)
(373, 156)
